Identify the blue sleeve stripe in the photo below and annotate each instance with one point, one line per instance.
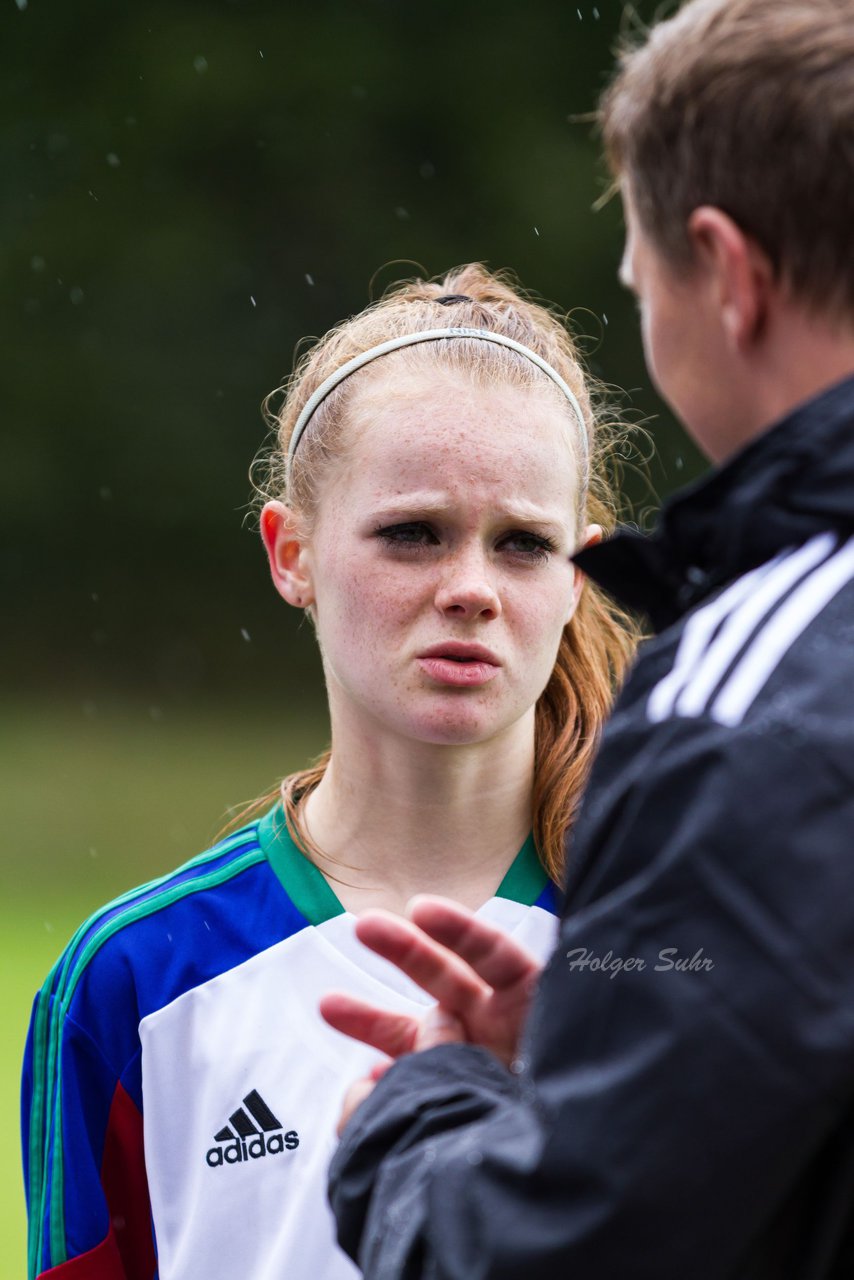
(38, 1135)
(46, 1192)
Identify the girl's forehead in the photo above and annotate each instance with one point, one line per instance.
(451, 435)
(452, 410)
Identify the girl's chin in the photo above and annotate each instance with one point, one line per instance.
(458, 718)
(454, 731)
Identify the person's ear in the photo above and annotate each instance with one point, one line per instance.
(288, 554)
(592, 534)
(737, 269)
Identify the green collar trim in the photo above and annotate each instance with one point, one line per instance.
(306, 886)
(314, 897)
(526, 877)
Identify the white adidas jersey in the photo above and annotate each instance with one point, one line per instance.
(182, 1090)
(258, 1208)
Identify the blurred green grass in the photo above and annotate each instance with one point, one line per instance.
(95, 798)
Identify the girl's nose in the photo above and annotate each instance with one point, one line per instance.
(467, 591)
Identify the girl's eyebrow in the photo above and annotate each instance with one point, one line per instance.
(429, 504)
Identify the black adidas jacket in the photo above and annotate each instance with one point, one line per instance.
(690, 1117)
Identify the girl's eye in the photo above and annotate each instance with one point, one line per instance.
(530, 545)
(414, 534)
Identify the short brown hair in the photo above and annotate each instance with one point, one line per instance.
(747, 105)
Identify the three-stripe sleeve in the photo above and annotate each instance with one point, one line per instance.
(81, 1100)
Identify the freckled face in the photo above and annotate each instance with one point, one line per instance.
(439, 559)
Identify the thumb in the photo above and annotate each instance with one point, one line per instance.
(439, 1026)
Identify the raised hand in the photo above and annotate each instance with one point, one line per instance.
(481, 979)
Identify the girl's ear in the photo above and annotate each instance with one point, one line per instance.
(288, 554)
(592, 534)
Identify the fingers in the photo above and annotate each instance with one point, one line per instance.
(391, 1033)
(432, 967)
(494, 956)
(439, 1027)
(436, 1027)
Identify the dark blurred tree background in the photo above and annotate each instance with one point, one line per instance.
(188, 189)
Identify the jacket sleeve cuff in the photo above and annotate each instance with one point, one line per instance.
(421, 1096)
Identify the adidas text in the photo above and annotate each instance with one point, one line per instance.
(254, 1149)
(252, 1132)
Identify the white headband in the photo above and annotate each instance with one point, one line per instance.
(432, 335)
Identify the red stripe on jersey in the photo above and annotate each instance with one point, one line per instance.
(101, 1263)
(125, 1184)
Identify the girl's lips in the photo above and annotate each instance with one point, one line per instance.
(463, 674)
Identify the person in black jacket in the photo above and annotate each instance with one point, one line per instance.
(678, 1100)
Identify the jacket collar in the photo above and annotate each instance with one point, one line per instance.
(793, 481)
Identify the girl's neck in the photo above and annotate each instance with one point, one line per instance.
(395, 818)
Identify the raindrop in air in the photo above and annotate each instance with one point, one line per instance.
(252, 300)
(37, 263)
(200, 64)
(536, 231)
(245, 634)
(76, 295)
(113, 160)
(604, 318)
(309, 279)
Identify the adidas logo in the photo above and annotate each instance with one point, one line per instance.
(252, 1132)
